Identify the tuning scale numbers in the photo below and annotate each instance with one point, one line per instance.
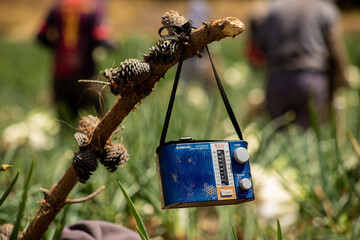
(222, 165)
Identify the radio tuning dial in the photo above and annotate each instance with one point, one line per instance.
(245, 184)
(241, 155)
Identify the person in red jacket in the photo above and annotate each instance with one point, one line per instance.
(73, 29)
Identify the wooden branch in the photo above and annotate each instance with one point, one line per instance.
(51, 205)
(199, 38)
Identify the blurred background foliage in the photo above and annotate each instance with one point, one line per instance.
(309, 181)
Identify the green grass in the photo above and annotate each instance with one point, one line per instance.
(22, 205)
(319, 171)
(140, 224)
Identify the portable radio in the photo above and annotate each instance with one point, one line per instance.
(196, 173)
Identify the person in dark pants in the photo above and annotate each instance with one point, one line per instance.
(299, 42)
(72, 29)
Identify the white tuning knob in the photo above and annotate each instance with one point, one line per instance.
(241, 155)
(245, 184)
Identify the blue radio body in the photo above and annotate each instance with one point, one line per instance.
(198, 173)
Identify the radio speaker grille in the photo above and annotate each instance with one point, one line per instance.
(189, 175)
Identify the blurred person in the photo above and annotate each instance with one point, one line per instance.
(73, 29)
(299, 42)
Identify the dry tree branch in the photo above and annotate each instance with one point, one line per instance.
(98, 138)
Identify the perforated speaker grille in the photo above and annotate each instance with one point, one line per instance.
(193, 174)
(187, 173)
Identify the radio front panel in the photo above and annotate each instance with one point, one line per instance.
(194, 174)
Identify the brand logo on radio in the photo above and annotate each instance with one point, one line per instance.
(182, 147)
(217, 145)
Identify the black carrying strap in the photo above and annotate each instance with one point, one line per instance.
(181, 33)
(225, 99)
(172, 99)
(222, 92)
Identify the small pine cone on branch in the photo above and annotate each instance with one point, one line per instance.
(163, 53)
(85, 162)
(81, 139)
(113, 156)
(87, 124)
(130, 73)
(173, 18)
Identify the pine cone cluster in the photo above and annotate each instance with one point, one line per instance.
(85, 162)
(113, 156)
(131, 72)
(165, 51)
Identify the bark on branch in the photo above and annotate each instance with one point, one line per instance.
(57, 195)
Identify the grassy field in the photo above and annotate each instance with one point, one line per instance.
(308, 180)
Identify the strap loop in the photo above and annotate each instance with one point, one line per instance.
(181, 33)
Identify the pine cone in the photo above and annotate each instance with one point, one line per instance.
(173, 18)
(130, 73)
(113, 77)
(81, 139)
(113, 156)
(163, 53)
(87, 124)
(85, 162)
